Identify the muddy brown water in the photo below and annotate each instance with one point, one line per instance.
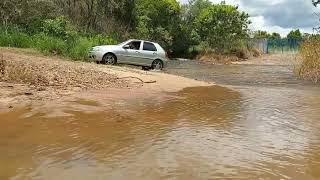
(237, 132)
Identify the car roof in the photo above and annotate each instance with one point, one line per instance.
(142, 40)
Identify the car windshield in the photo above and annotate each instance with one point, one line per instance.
(123, 43)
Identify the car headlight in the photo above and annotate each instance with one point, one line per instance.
(95, 49)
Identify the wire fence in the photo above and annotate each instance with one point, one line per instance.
(269, 46)
(284, 46)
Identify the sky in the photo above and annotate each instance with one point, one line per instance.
(278, 15)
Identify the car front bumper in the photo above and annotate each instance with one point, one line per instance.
(95, 56)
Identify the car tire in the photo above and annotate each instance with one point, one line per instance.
(109, 59)
(157, 65)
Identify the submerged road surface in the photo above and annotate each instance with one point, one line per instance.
(263, 125)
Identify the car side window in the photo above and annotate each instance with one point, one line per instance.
(149, 47)
(135, 45)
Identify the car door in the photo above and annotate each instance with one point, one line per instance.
(148, 53)
(132, 54)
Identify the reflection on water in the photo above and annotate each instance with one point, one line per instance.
(202, 133)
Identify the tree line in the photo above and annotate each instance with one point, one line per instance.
(293, 34)
(180, 28)
(175, 26)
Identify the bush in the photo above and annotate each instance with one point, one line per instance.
(223, 27)
(80, 49)
(310, 54)
(256, 52)
(48, 44)
(102, 40)
(211, 57)
(59, 27)
(243, 53)
(15, 39)
(76, 46)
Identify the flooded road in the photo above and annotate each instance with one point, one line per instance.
(238, 74)
(245, 131)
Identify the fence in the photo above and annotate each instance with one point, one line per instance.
(284, 46)
(260, 44)
(270, 46)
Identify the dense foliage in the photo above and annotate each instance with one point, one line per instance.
(292, 35)
(265, 35)
(295, 34)
(62, 26)
(222, 26)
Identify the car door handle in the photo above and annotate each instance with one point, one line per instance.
(154, 53)
(137, 52)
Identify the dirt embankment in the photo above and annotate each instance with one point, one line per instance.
(28, 78)
(211, 57)
(253, 57)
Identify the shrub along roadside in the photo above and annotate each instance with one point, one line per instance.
(310, 54)
(75, 47)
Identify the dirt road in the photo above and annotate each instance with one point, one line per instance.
(31, 78)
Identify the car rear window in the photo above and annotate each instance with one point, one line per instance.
(149, 47)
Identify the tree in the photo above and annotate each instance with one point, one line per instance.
(157, 20)
(177, 27)
(186, 35)
(275, 36)
(223, 27)
(9, 10)
(195, 8)
(295, 34)
(26, 13)
(261, 35)
(102, 16)
(265, 35)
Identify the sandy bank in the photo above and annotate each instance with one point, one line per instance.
(28, 78)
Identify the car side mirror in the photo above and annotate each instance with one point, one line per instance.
(126, 47)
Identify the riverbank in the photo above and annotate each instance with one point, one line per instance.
(263, 125)
(272, 59)
(29, 78)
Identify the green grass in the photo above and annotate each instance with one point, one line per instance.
(76, 47)
(17, 39)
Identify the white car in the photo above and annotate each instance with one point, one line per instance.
(136, 52)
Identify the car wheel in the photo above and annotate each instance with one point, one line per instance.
(157, 65)
(109, 59)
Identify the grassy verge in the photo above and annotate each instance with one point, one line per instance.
(75, 47)
(310, 66)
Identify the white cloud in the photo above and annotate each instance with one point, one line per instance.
(258, 23)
